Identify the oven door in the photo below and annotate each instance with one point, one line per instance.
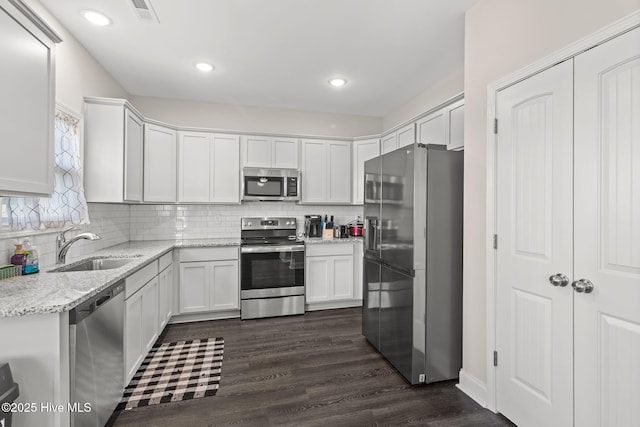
(271, 271)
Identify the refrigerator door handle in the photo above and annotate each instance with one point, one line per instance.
(371, 233)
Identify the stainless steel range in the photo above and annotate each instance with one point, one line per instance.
(272, 268)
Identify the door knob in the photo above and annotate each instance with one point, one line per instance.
(559, 279)
(582, 285)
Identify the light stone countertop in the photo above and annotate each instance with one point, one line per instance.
(321, 241)
(46, 292)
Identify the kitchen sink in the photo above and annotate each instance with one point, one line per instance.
(93, 264)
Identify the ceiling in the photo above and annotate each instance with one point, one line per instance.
(277, 53)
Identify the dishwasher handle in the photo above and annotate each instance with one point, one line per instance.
(84, 309)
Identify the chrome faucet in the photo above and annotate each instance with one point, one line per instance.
(62, 245)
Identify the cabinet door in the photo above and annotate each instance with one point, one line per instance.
(194, 286)
(149, 314)
(132, 157)
(225, 171)
(193, 167)
(406, 135)
(159, 164)
(389, 143)
(358, 274)
(342, 277)
(225, 290)
(284, 153)
(455, 126)
(362, 151)
(339, 172)
(27, 103)
(165, 297)
(432, 128)
(314, 171)
(317, 279)
(256, 152)
(133, 346)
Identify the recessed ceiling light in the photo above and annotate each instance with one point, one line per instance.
(96, 18)
(337, 82)
(203, 66)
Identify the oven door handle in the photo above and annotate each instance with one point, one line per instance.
(267, 249)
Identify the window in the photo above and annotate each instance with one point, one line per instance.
(67, 205)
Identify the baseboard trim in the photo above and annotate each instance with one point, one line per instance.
(473, 387)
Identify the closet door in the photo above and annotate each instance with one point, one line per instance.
(534, 317)
(607, 233)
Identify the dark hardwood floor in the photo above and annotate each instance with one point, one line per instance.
(311, 370)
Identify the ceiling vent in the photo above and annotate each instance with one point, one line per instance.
(144, 10)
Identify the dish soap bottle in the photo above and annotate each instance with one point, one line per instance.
(31, 258)
(18, 257)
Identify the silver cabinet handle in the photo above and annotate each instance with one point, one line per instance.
(582, 286)
(559, 279)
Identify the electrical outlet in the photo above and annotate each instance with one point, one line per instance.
(421, 378)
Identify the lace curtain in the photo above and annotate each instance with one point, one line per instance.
(67, 206)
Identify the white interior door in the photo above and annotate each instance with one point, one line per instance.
(534, 225)
(607, 233)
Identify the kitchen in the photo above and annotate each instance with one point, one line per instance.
(79, 75)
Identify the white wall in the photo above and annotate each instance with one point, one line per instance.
(435, 95)
(501, 37)
(256, 119)
(78, 74)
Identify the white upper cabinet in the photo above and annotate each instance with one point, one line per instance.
(388, 143)
(455, 128)
(208, 167)
(113, 151)
(402, 137)
(363, 150)
(160, 151)
(432, 128)
(193, 166)
(27, 102)
(225, 171)
(269, 152)
(444, 127)
(133, 157)
(326, 171)
(406, 135)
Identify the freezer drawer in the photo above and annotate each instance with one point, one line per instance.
(397, 324)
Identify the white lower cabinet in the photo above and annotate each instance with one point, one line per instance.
(209, 280)
(147, 310)
(329, 276)
(165, 291)
(141, 317)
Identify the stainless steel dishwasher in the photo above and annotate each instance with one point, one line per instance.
(96, 329)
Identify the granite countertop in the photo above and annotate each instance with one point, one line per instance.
(320, 240)
(57, 292)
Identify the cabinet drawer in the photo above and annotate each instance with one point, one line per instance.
(138, 279)
(165, 261)
(328, 249)
(208, 254)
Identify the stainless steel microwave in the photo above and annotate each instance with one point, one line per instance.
(270, 184)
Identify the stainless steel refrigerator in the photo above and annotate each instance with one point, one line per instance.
(412, 308)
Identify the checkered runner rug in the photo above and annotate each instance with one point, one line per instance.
(176, 371)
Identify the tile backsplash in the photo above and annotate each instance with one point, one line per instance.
(119, 223)
(158, 222)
